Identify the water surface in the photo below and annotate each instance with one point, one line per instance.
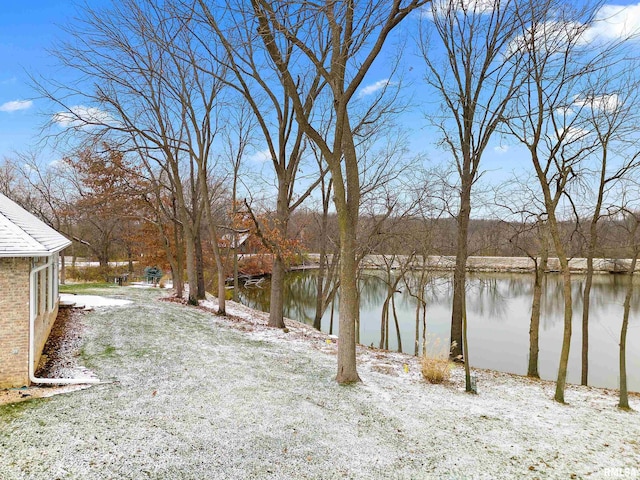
(498, 310)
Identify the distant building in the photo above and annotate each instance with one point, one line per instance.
(29, 251)
(240, 240)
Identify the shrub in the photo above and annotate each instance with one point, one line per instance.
(434, 363)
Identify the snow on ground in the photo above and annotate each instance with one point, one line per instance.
(193, 395)
(92, 301)
(167, 284)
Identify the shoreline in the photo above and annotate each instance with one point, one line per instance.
(447, 263)
(257, 319)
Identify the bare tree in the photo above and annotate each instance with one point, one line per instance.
(328, 251)
(611, 112)
(237, 138)
(418, 278)
(631, 221)
(274, 115)
(548, 122)
(475, 82)
(340, 41)
(526, 219)
(42, 189)
(148, 95)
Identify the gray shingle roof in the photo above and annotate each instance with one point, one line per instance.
(24, 235)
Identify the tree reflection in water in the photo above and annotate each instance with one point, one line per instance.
(499, 307)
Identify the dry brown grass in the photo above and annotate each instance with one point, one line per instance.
(435, 363)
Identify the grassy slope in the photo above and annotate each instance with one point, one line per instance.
(190, 398)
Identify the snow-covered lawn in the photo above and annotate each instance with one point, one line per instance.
(188, 395)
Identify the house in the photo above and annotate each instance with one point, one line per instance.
(29, 251)
(235, 240)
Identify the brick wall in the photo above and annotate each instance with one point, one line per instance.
(14, 322)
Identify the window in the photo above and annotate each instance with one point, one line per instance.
(45, 294)
(56, 278)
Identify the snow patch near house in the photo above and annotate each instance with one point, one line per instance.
(92, 301)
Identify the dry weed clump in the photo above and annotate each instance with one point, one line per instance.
(434, 363)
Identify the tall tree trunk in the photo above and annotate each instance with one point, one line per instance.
(201, 294)
(568, 309)
(460, 271)
(386, 328)
(357, 326)
(424, 328)
(467, 365)
(536, 304)
(322, 267)
(347, 191)
(593, 243)
(591, 247)
(234, 237)
(333, 309)
(177, 262)
(585, 316)
(624, 395)
(192, 276)
(349, 308)
(551, 202)
(217, 255)
(188, 236)
(383, 322)
(178, 273)
(276, 305)
(395, 319)
(236, 283)
(317, 319)
(416, 347)
(213, 233)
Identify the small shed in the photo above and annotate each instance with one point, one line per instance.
(29, 252)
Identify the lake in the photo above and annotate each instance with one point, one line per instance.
(498, 311)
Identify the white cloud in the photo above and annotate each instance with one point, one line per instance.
(501, 149)
(572, 134)
(478, 6)
(16, 105)
(58, 163)
(565, 111)
(471, 6)
(611, 22)
(598, 103)
(82, 116)
(614, 22)
(374, 87)
(261, 156)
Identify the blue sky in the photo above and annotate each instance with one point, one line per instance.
(30, 27)
(27, 30)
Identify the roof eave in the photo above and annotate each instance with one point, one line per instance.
(35, 253)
